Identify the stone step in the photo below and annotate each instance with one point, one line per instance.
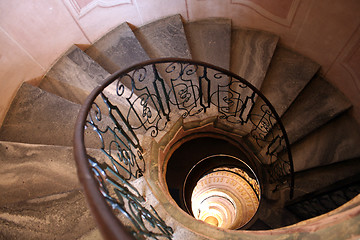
(38, 117)
(209, 41)
(251, 53)
(325, 200)
(31, 171)
(317, 104)
(288, 74)
(117, 49)
(58, 216)
(334, 142)
(74, 76)
(306, 182)
(164, 38)
(321, 177)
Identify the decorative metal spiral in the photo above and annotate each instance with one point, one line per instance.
(143, 100)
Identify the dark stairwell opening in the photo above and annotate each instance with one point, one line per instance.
(215, 181)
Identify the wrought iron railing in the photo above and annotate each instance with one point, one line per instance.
(143, 100)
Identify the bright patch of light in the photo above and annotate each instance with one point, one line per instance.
(225, 198)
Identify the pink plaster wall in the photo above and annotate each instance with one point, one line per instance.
(33, 34)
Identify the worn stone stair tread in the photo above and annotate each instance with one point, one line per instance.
(336, 141)
(58, 216)
(251, 53)
(164, 38)
(288, 74)
(326, 199)
(73, 76)
(210, 40)
(317, 104)
(31, 171)
(318, 178)
(118, 49)
(36, 116)
(309, 181)
(64, 90)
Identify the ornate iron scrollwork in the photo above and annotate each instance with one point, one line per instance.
(143, 99)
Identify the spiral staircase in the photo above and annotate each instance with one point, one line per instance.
(41, 197)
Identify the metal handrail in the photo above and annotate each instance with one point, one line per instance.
(177, 86)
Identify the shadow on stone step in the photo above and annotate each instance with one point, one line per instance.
(325, 199)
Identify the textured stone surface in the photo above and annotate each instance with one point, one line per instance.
(326, 199)
(63, 90)
(58, 216)
(164, 38)
(317, 178)
(36, 116)
(73, 76)
(118, 49)
(210, 40)
(288, 74)
(251, 53)
(31, 171)
(318, 103)
(334, 142)
(39, 117)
